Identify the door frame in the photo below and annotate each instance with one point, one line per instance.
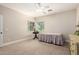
(1, 21)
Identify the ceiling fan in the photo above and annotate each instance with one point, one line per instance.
(43, 8)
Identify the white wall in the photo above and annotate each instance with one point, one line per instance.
(15, 24)
(60, 23)
(77, 18)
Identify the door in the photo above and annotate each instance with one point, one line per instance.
(1, 30)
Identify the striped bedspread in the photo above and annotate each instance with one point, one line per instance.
(55, 38)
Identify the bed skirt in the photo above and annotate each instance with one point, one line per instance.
(54, 38)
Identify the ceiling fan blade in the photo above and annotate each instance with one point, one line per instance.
(38, 5)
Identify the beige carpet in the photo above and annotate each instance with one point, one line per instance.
(34, 47)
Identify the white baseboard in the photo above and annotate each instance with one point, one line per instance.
(13, 42)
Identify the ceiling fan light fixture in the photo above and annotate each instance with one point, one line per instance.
(44, 9)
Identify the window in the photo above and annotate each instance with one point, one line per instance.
(39, 26)
(31, 25)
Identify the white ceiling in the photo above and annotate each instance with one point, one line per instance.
(30, 9)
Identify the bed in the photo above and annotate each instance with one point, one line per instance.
(55, 38)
